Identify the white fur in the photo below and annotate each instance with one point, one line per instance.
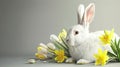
(84, 45)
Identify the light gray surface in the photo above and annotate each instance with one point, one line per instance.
(21, 62)
(26, 23)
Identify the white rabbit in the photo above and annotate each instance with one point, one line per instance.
(82, 44)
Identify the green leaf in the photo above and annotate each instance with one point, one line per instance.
(116, 49)
(57, 45)
(119, 43)
(61, 45)
(112, 59)
(65, 44)
(113, 48)
(111, 54)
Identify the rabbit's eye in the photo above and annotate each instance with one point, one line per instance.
(76, 32)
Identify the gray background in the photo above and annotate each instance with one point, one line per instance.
(26, 23)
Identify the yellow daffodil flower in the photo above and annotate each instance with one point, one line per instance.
(41, 53)
(107, 37)
(101, 57)
(60, 57)
(40, 56)
(62, 34)
(42, 50)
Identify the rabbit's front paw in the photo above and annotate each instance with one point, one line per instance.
(83, 61)
(69, 60)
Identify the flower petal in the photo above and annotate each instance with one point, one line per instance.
(101, 57)
(51, 46)
(43, 45)
(53, 38)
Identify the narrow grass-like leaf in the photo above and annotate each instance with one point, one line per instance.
(112, 59)
(56, 45)
(64, 43)
(111, 54)
(117, 50)
(119, 42)
(61, 45)
(113, 48)
(115, 45)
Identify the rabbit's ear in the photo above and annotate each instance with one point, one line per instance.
(89, 13)
(80, 14)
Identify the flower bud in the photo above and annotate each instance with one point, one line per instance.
(51, 46)
(62, 34)
(40, 56)
(43, 45)
(53, 38)
(42, 50)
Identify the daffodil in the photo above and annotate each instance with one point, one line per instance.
(51, 46)
(43, 45)
(41, 52)
(107, 37)
(54, 38)
(101, 57)
(40, 56)
(60, 56)
(62, 34)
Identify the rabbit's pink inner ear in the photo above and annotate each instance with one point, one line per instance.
(89, 13)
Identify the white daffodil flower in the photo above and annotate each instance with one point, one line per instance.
(54, 38)
(43, 45)
(51, 46)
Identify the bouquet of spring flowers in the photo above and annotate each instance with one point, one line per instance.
(57, 50)
(105, 56)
